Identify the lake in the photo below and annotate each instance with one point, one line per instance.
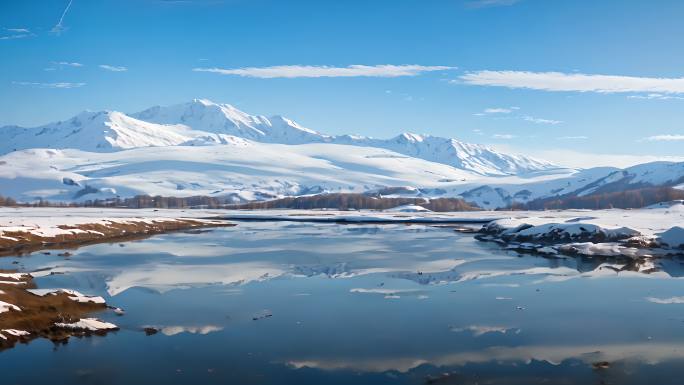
(325, 303)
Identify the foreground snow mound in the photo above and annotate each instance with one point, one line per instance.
(679, 203)
(73, 295)
(88, 325)
(590, 235)
(5, 306)
(521, 231)
(408, 209)
(673, 238)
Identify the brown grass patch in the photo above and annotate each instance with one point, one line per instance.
(39, 314)
(91, 233)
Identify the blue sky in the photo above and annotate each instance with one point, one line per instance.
(579, 82)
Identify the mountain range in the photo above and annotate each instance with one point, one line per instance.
(212, 149)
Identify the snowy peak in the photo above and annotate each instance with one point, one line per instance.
(205, 115)
(105, 131)
(92, 131)
(224, 119)
(202, 122)
(467, 156)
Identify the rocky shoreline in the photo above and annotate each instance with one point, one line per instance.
(577, 238)
(27, 313)
(19, 240)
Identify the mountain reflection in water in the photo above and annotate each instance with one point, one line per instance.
(374, 304)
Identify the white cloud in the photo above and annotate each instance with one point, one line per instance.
(540, 120)
(17, 33)
(50, 85)
(558, 81)
(664, 138)
(12, 37)
(665, 301)
(479, 330)
(499, 110)
(303, 71)
(578, 137)
(655, 97)
(113, 68)
(580, 159)
(67, 64)
(503, 136)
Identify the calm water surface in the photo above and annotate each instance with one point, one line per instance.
(298, 303)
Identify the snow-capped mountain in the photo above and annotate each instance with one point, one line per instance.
(204, 148)
(202, 122)
(204, 115)
(102, 131)
(476, 158)
(207, 116)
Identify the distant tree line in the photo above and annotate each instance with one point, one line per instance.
(136, 202)
(635, 198)
(7, 201)
(628, 199)
(348, 201)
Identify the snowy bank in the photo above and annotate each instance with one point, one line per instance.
(23, 229)
(55, 314)
(628, 233)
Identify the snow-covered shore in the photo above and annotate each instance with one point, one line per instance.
(649, 232)
(35, 228)
(634, 233)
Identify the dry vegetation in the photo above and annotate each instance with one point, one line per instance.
(39, 314)
(23, 241)
(357, 202)
(628, 199)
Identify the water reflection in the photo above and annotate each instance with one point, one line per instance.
(327, 303)
(263, 251)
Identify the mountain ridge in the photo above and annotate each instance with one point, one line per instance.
(202, 148)
(203, 122)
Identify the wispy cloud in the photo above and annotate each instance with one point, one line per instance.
(113, 68)
(478, 330)
(494, 111)
(500, 110)
(570, 158)
(665, 301)
(665, 138)
(302, 71)
(503, 136)
(540, 120)
(578, 137)
(490, 3)
(67, 64)
(59, 27)
(558, 81)
(16, 33)
(655, 97)
(50, 85)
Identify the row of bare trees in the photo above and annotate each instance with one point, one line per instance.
(622, 199)
(342, 201)
(629, 199)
